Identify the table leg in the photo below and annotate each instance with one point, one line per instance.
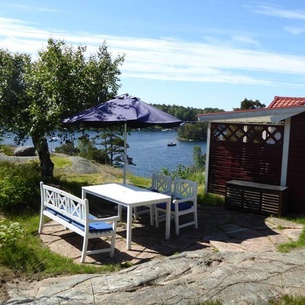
(168, 219)
(128, 228)
(152, 214)
(120, 208)
(83, 194)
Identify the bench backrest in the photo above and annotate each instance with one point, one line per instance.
(66, 204)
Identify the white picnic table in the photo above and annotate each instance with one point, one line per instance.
(130, 196)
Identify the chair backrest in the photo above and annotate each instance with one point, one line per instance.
(185, 188)
(161, 183)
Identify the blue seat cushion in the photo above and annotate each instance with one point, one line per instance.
(94, 227)
(55, 213)
(181, 206)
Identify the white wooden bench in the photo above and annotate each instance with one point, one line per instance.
(73, 213)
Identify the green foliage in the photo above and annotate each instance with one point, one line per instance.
(19, 187)
(40, 93)
(16, 252)
(194, 172)
(288, 300)
(193, 131)
(21, 251)
(181, 172)
(88, 150)
(68, 148)
(283, 300)
(7, 150)
(210, 199)
(250, 104)
(61, 162)
(10, 234)
(199, 158)
(186, 114)
(300, 243)
(112, 142)
(286, 247)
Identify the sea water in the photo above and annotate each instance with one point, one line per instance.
(148, 150)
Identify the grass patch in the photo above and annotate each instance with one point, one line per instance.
(287, 247)
(60, 161)
(300, 243)
(29, 258)
(284, 300)
(208, 198)
(139, 181)
(288, 300)
(7, 149)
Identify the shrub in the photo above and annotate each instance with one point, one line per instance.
(88, 151)
(19, 186)
(15, 250)
(68, 149)
(10, 234)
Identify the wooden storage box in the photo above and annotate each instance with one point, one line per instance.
(260, 198)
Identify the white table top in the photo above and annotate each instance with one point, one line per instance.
(126, 194)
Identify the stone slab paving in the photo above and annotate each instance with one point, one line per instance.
(219, 230)
(232, 258)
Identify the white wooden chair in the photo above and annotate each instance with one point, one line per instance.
(184, 202)
(161, 184)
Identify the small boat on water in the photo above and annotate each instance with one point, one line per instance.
(171, 144)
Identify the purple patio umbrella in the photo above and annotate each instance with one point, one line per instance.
(124, 110)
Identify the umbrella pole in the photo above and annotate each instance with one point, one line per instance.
(125, 152)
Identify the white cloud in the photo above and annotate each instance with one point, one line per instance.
(281, 13)
(295, 30)
(166, 59)
(33, 8)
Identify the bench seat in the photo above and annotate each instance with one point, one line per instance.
(73, 213)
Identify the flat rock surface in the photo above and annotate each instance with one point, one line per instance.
(232, 258)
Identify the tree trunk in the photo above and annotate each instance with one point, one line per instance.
(46, 164)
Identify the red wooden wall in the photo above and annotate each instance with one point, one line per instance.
(296, 165)
(244, 152)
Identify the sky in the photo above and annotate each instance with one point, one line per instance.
(191, 53)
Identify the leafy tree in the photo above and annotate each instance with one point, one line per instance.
(193, 131)
(186, 114)
(68, 148)
(113, 144)
(37, 95)
(250, 104)
(87, 149)
(199, 158)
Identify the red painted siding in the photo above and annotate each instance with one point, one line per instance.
(241, 152)
(296, 165)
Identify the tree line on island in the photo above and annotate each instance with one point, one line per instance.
(197, 131)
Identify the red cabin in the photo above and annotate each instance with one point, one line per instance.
(263, 146)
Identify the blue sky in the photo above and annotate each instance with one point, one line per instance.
(196, 53)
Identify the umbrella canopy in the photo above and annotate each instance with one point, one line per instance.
(124, 110)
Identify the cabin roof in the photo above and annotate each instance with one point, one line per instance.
(281, 108)
(280, 102)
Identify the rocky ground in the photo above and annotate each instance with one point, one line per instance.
(231, 258)
(186, 278)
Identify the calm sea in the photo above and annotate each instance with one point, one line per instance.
(150, 152)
